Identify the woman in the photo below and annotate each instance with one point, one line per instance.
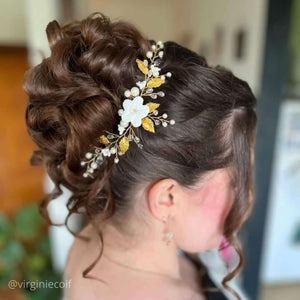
(157, 148)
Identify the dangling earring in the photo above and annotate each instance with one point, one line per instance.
(169, 235)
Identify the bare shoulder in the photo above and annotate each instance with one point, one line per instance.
(81, 255)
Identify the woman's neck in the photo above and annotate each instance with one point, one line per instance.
(149, 255)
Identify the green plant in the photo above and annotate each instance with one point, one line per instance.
(25, 252)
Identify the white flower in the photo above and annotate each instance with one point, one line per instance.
(106, 152)
(141, 84)
(155, 71)
(121, 129)
(134, 111)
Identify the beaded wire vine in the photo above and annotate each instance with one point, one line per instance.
(133, 114)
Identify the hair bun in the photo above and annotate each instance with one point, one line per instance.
(75, 93)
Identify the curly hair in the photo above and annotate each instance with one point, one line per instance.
(74, 96)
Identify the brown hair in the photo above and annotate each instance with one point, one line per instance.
(74, 96)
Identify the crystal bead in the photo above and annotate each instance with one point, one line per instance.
(99, 159)
(155, 112)
(153, 96)
(157, 122)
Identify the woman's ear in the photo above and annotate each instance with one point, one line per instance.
(161, 197)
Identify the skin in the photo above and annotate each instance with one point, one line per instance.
(142, 265)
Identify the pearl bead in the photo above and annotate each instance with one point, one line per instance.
(172, 122)
(120, 111)
(124, 124)
(160, 54)
(116, 160)
(82, 163)
(146, 62)
(153, 47)
(169, 74)
(155, 112)
(127, 93)
(85, 175)
(135, 91)
(163, 77)
(164, 116)
(165, 124)
(88, 155)
(94, 165)
(149, 54)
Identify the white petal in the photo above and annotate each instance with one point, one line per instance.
(127, 103)
(136, 121)
(143, 111)
(137, 101)
(126, 116)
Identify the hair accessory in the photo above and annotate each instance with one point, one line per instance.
(134, 113)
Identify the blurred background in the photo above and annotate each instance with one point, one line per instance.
(258, 40)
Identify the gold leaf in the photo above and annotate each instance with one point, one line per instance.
(141, 66)
(152, 106)
(148, 124)
(155, 82)
(124, 144)
(103, 139)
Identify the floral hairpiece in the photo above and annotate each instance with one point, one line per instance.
(134, 113)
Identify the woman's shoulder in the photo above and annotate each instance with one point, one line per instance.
(83, 253)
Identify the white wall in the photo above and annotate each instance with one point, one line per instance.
(38, 15)
(157, 19)
(205, 15)
(12, 23)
